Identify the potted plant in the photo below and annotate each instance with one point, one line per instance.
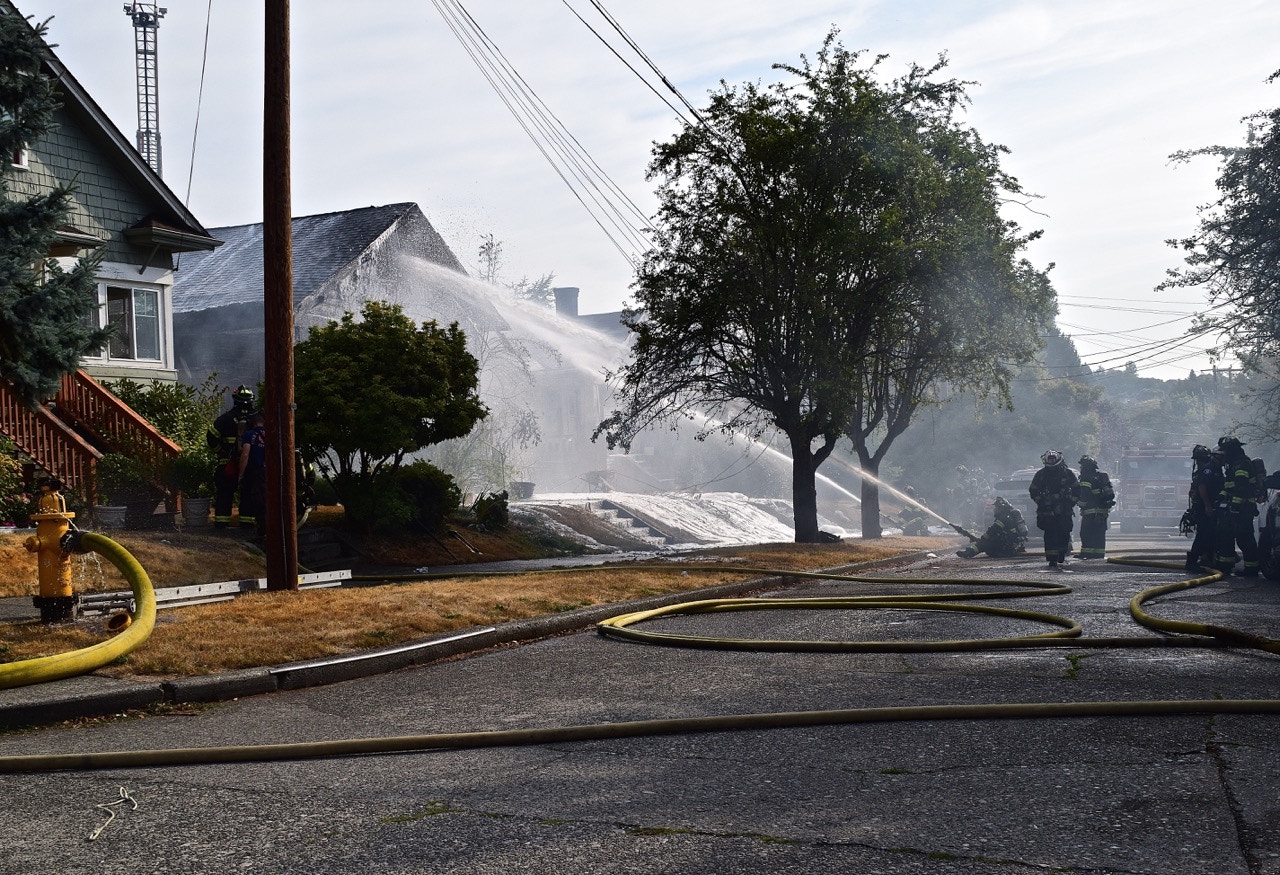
(123, 481)
(191, 475)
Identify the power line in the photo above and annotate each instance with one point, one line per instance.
(599, 6)
(1062, 297)
(195, 128)
(574, 156)
(628, 65)
(610, 208)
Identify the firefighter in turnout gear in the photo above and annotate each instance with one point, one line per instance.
(1202, 501)
(913, 519)
(1237, 506)
(1004, 537)
(224, 439)
(1095, 497)
(1053, 489)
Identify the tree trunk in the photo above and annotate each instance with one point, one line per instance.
(870, 503)
(804, 490)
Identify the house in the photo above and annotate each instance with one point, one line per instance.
(339, 260)
(538, 373)
(123, 212)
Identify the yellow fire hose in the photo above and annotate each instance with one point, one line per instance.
(78, 662)
(1209, 635)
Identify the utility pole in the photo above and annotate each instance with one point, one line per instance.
(146, 23)
(277, 305)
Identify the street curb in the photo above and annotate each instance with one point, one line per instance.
(90, 696)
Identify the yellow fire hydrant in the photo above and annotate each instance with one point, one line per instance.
(56, 602)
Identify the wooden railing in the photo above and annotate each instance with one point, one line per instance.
(49, 441)
(69, 435)
(87, 405)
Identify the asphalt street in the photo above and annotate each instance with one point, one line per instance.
(1174, 795)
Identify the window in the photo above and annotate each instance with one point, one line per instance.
(18, 157)
(135, 315)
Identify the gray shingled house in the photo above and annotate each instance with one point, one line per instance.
(392, 253)
(337, 259)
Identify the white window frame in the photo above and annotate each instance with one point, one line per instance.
(102, 316)
(20, 157)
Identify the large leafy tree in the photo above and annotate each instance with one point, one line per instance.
(969, 312)
(789, 224)
(1234, 255)
(372, 391)
(43, 332)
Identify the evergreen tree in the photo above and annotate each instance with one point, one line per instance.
(43, 308)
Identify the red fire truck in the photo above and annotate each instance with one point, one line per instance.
(1152, 487)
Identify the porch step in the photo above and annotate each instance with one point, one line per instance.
(635, 528)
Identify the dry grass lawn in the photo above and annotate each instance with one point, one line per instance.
(279, 627)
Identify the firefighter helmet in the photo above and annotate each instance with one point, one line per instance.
(1227, 443)
(1051, 458)
(1200, 452)
(1088, 462)
(243, 395)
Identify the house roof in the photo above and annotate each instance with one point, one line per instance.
(170, 209)
(608, 324)
(322, 246)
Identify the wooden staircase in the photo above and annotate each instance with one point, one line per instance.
(67, 436)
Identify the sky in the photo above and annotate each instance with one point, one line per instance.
(1091, 97)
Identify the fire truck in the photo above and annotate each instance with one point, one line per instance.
(1152, 488)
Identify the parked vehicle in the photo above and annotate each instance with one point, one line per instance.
(1152, 487)
(1269, 530)
(1015, 488)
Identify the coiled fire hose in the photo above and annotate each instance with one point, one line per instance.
(1207, 635)
(78, 662)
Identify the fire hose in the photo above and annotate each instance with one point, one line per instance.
(78, 662)
(1068, 634)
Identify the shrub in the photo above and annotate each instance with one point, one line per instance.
(122, 479)
(429, 492)
(181, 413)
(381, 507)
(492, 513)
(16, 504)
(191, 472)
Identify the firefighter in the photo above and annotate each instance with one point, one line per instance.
(1004, 537)
(253, 470)
(1202, 499)
(1096, 497)
(913, 519)
(1237, 506)
(223, 438)
(1053, 489)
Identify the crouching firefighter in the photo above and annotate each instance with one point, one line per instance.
(1096, 497)
(1007, 536)
(1238, 499)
